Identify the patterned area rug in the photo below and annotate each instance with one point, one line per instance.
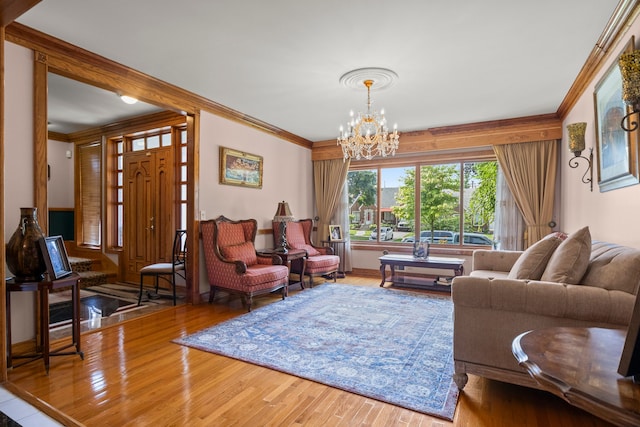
(390, 345)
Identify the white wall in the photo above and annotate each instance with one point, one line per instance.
(612, 216)
(287, 175)
(18, 168)
(60, 191)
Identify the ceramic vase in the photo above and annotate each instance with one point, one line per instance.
(24, 258)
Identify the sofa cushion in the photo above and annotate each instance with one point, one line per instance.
(570, 260)
(244, 252)
(613, 267)
(543, 299)
(533, 261)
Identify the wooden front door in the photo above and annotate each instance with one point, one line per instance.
(149, 194)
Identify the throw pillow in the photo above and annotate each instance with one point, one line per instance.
(295, 235)
(533, 261)
(311, 251)
(570, 261)
(243, 252)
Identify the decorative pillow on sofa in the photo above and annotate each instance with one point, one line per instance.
(533, 261)
(243, 252)
(570, 261)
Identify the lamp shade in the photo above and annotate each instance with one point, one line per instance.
(283, 213)
(576, 137)
(629, 64)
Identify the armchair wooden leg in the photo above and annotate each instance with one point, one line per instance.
(212, 294)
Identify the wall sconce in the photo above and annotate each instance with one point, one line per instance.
(629, 64)
(283, 215)
(576, 146)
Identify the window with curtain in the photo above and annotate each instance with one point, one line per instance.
(90, 190)
(444, 203)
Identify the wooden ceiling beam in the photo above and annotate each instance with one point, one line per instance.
(10, 10)
(469, 136)
(79, 64)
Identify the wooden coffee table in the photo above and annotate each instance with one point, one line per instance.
(429, 282)
(580, 366)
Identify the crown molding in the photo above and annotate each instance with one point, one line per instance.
(74, 62)
(623, 16)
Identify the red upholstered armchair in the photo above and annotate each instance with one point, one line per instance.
(233, 264)
(320, 259)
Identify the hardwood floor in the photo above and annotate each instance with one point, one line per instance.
(134, 375)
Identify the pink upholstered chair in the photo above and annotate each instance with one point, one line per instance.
(233, 264)
(320, 259)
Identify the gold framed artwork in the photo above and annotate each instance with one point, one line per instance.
(617, 150)
(240, 168)
(335, 233)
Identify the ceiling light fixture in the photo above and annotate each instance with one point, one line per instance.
(128, 99)
(367, 134)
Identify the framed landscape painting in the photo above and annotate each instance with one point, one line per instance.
(239, 168)
(617, 149)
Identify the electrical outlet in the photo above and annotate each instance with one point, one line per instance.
(203, 215)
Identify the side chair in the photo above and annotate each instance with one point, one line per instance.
(234, 266)
(168, 270)
(320, 260)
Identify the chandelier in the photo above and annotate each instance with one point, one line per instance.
(367, 134)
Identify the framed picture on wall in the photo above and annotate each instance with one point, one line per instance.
(617, 150)
(239, 168)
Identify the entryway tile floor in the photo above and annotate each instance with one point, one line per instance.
(15, 412)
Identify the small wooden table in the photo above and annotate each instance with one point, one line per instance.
(580, 365)
(287, 257)
(424, 282)
(338, 247)
(43, 288)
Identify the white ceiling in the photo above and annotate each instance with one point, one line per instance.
(280, 61)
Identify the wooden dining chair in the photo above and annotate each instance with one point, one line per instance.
(168, 270)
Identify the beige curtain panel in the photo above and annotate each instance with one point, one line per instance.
(328, 178)
(530, 171)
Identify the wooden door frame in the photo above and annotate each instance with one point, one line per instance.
(60, 63)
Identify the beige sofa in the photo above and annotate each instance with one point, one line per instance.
(491, 309)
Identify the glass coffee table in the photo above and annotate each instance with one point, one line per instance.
(421, 281)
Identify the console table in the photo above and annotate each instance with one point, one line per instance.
(424, 282)
(580, 365)
(42, 288)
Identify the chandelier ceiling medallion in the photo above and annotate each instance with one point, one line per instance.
(367, 134)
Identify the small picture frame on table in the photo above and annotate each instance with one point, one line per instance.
(335, 233)
(55, 257)
(420, 249)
